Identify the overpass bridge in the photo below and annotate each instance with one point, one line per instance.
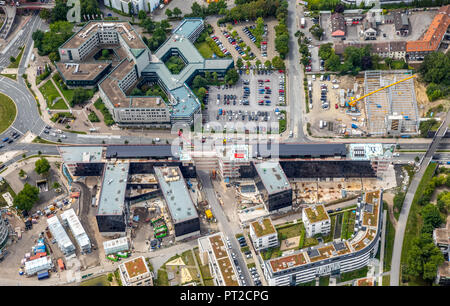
(10, 12)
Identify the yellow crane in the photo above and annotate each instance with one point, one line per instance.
(354, 101)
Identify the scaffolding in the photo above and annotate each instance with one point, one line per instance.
(392, 111)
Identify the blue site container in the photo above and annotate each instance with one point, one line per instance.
(43, 275)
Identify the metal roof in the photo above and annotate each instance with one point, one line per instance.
(176, 193)
(273, 177)
(112, 196)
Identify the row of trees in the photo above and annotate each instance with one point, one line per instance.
(213, 8)
(424, 256)
(158, 30)
(355, 59)
(59, 12)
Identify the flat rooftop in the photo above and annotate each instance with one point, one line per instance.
(301, 150)
(263, 227)
(140, 151)
(316, 213)
(136, 267)
(188, 26)
(81, 71)
(223, 260)
(124, 29)
(287, 262)
(365, 151)
(273, 177)
(176, 193)
(114, 184)
(78, 154)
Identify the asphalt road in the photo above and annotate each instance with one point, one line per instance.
(403, 218)
(295, 75)
(223, 222)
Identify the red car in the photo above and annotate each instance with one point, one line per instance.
(267, 87)
(281, 91)
(267, 80)
(336, 106)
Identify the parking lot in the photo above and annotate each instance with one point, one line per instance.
(255, 97)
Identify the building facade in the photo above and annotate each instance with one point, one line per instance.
(316, 220)
(263, 234)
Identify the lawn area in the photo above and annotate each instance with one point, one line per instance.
(11, 76)
(204, 270)
(388, 245)
(386, 280)
(414, 223)
(18, 58)
(289, 231)
(204, 49)
(188, 258)
(4, 187)
(348, 224)
(97, 281)
(67, 93)
(50, 93)
(7, 112)
(354, 274)
(163, 279)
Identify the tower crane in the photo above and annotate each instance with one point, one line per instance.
(353, 102)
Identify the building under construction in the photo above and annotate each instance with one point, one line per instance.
(393, 110)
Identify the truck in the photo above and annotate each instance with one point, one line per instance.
(302, 22)
(43, 275)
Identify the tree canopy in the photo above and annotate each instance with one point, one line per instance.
(26, 198)
(424, 257)
(435, 71)
(41, 166)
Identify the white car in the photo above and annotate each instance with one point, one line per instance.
(291, 133)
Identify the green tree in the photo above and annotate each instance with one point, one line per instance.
(231, 77)
(199, 81)
(424, 257)
(142, 15)
(325, 51)
(80, 96)
(42, 166)
(169, 13)
(177, 12)
(278, 63)
(26, 198)
(56, 185)
(431, 218)
(22, 173)
(267, 63)
(239, 63)
(316, 31)
(443, 200)
(333, 63)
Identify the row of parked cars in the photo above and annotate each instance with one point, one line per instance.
(220, 45)
(235, 42)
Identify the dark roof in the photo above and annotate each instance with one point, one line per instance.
(313, 253)
(140, 151)
(339, 246)
(300, 150)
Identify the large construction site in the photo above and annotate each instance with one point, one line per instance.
(380, 103)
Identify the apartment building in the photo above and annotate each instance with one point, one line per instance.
(263, 234)
(215, 254)
(431, 40)
(332, 258)
(316, 220)
(135, 272)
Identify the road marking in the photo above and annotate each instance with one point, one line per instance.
(12, 42)
(17, 130)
